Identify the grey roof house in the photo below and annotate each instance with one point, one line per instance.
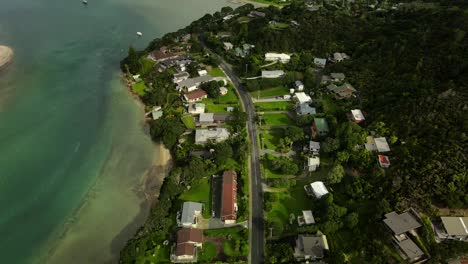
(402, 223)
(202, 136)
(455, 228)
(190, 213)
(305, 109)
(310, 247)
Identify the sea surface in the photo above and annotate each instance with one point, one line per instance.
(73, 146)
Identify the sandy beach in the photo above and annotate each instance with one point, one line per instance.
(6, 55)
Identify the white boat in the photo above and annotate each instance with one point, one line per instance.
(85, 2)
(139, 34)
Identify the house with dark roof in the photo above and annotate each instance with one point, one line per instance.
(402, 223)
(319, 127)
(229, 197)
(344, 91)
(185, 250)
(310, 247)
(305, 109)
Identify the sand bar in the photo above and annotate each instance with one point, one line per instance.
(6, 55)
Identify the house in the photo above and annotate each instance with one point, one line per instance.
(310, 247)
(219, 134)
(223, 91)
(222, 35)
(196, 108)
(195, 96)
(156, 112)
(206, 118)
(280, 57)
(159, 56)
(256, 14)
(312, 163)
(181, 76)
(402, 223)
(305, 109)
(314, 147)
(229, 197)
(202, 72)
(377, 144)
(307, 218)
(325, 79)
(356, 116)
(343, 91)
(192, 84)
(299, 86)
(190, 213)
(320, 62)
(188, 240)
(302, 98)
(455, 228)
(272, 22)
(408, 250)
(212, 119)
(384, 161)
(272, 74)
(319, 127)
(295, 23)
(244, 51)
(338, 56)
(337, 76)
(230, 109)
(228, 17)
(136, 78)
(228, 46)
(316, 189)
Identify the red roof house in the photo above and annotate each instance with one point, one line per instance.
(384, 161)
(229, 197)
(188, 239)
(195, 96)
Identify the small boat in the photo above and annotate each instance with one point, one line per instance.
(85, 2)
(139, 34)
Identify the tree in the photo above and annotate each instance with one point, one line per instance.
(352, 220)
(330, 145)
(211, 88)
(284, 165)
(132, 61)
(223, 152)
(294, 133)
(238, 120)
(284, 145)
(335, 175)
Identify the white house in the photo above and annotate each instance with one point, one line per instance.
(196, 108)
(218, 134)
(299, 86)
(272, 74)
(377, 144)
(202, 72)
(357, 116)
(313, 163)
(156, 112)
(303, 98)
(319, 189)
(338, 56)
(182, 76)
(320, 62)
(223, 90)
(281, 57)
(228, 46)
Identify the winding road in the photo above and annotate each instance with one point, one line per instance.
(256, 224)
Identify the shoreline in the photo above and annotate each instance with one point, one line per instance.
(6, 56)
(243, 2)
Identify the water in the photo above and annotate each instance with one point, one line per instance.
(73, 148)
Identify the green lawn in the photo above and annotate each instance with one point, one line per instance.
(208, 252)
(243, 20)
(329, 105)
(271, 137)
(275, 91)
(188, 121)
(139, 88)
(147, 65)
(277, 120)
(279, 26)
(200, 192)
(273, 106)
(216, 72)
(220, 104)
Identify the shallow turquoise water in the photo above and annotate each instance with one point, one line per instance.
(73, 149)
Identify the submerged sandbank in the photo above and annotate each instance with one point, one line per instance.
(6, 55)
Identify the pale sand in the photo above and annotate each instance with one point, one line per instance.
(243, 2)
(6, 55)
(155, 176)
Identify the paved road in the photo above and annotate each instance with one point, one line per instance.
(257, 241)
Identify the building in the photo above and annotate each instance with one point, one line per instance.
(338, 56)
(202, 72)
(196, 108)
(320, 62)
(319, 127)
(408, 250)
(310, 247)
(314, 147)
(316, 189)
(188, 240)
(455, 228)
(229, 197)
(156, 112)
(212, 119)
(302, 98)
(228, 46)
(344, 91)
(305, 109)
(280, 57)
(377, 144)
(337, 76)
(191, 84)
(402, 223)
(195, 96)
(256, 14)
(182, 76)
(219, 134)
(190, 213)
(312, 163)
(228, 17)
(223, 91)
(356, 116)
(384, 161)
(307, 218)
(299, 86)
(272, 74)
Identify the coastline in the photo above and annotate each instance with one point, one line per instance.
(6, 56)
(243, 2)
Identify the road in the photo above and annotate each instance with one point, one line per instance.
(257, 241)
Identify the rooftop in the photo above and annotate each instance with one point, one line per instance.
(319, 189)
(189, 210)
(357, 115)
(217, 134)
(401, 223)
(321, 124)
(194, 95)
(410, 249)
(312, 246)
(229, 195)
(308, 217)
(186, 235)
(455, 226)
(303, 97)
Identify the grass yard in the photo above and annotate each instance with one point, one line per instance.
(329, 105)
(208, 252)
(243, 20)
(277, 120)
(216, 72)
(220, 104)
(200, 192)
(271, 137)
(270, 92)
(147, 65)
(139, 88)
(273, 106)
(188, 121)
(279, 26)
